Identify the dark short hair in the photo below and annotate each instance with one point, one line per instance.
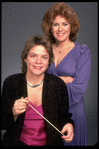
(31, 42)
(65, 11)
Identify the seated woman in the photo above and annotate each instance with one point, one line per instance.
(45, 92)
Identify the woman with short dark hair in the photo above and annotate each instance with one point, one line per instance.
(34, 88)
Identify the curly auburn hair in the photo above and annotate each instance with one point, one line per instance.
(65, 11)
(32, 41)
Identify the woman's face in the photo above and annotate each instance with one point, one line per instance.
(61, 29)
(37, 60)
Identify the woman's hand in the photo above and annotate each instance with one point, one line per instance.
(70, 132)
(19, 106)
(67, 79)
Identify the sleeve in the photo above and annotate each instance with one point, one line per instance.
(7, 119)
(77, 88)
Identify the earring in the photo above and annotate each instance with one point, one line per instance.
(25, 63)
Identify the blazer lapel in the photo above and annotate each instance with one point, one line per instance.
(22, 93)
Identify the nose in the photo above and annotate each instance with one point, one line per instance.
(60, 28)
(38, 60)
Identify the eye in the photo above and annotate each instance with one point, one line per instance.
(45, 57)
(33, 55)
(55, 24)
(65, 24)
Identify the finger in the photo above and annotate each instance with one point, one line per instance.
(25, 100)
(22, 107)
(22, 101)
(20, 104)
(67, 136)
(63, 130)
(69, 133)
(21, 111)
(69, 139)
(18, 109)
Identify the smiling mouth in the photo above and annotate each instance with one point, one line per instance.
(60, 34)
(38, 67)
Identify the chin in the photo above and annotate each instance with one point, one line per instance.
(60, 39)
(38, 73)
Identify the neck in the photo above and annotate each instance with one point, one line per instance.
(34, 79)
(63, 44)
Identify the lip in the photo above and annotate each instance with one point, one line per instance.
(37, 67)
(60, 34)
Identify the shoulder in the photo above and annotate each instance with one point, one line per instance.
(13, 78)
(54, 80)
(82, 51)
(82, 48)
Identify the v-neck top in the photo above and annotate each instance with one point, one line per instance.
(33, 132)
(76, 64)
(66, 55)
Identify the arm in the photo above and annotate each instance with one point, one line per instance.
(6, 107)
(77, 88)
(67, 79)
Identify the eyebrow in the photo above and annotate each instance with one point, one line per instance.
(57, 22)
(37, 54)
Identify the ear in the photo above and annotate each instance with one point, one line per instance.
(25, 60)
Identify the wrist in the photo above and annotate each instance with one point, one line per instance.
(15, 116)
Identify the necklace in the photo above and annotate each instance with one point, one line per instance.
(34, 85)
(65, 48)
(57, 49)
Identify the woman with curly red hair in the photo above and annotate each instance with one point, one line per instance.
(72, 62)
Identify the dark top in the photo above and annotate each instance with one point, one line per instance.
(55, 105)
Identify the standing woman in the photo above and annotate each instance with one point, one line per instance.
(72, 62)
